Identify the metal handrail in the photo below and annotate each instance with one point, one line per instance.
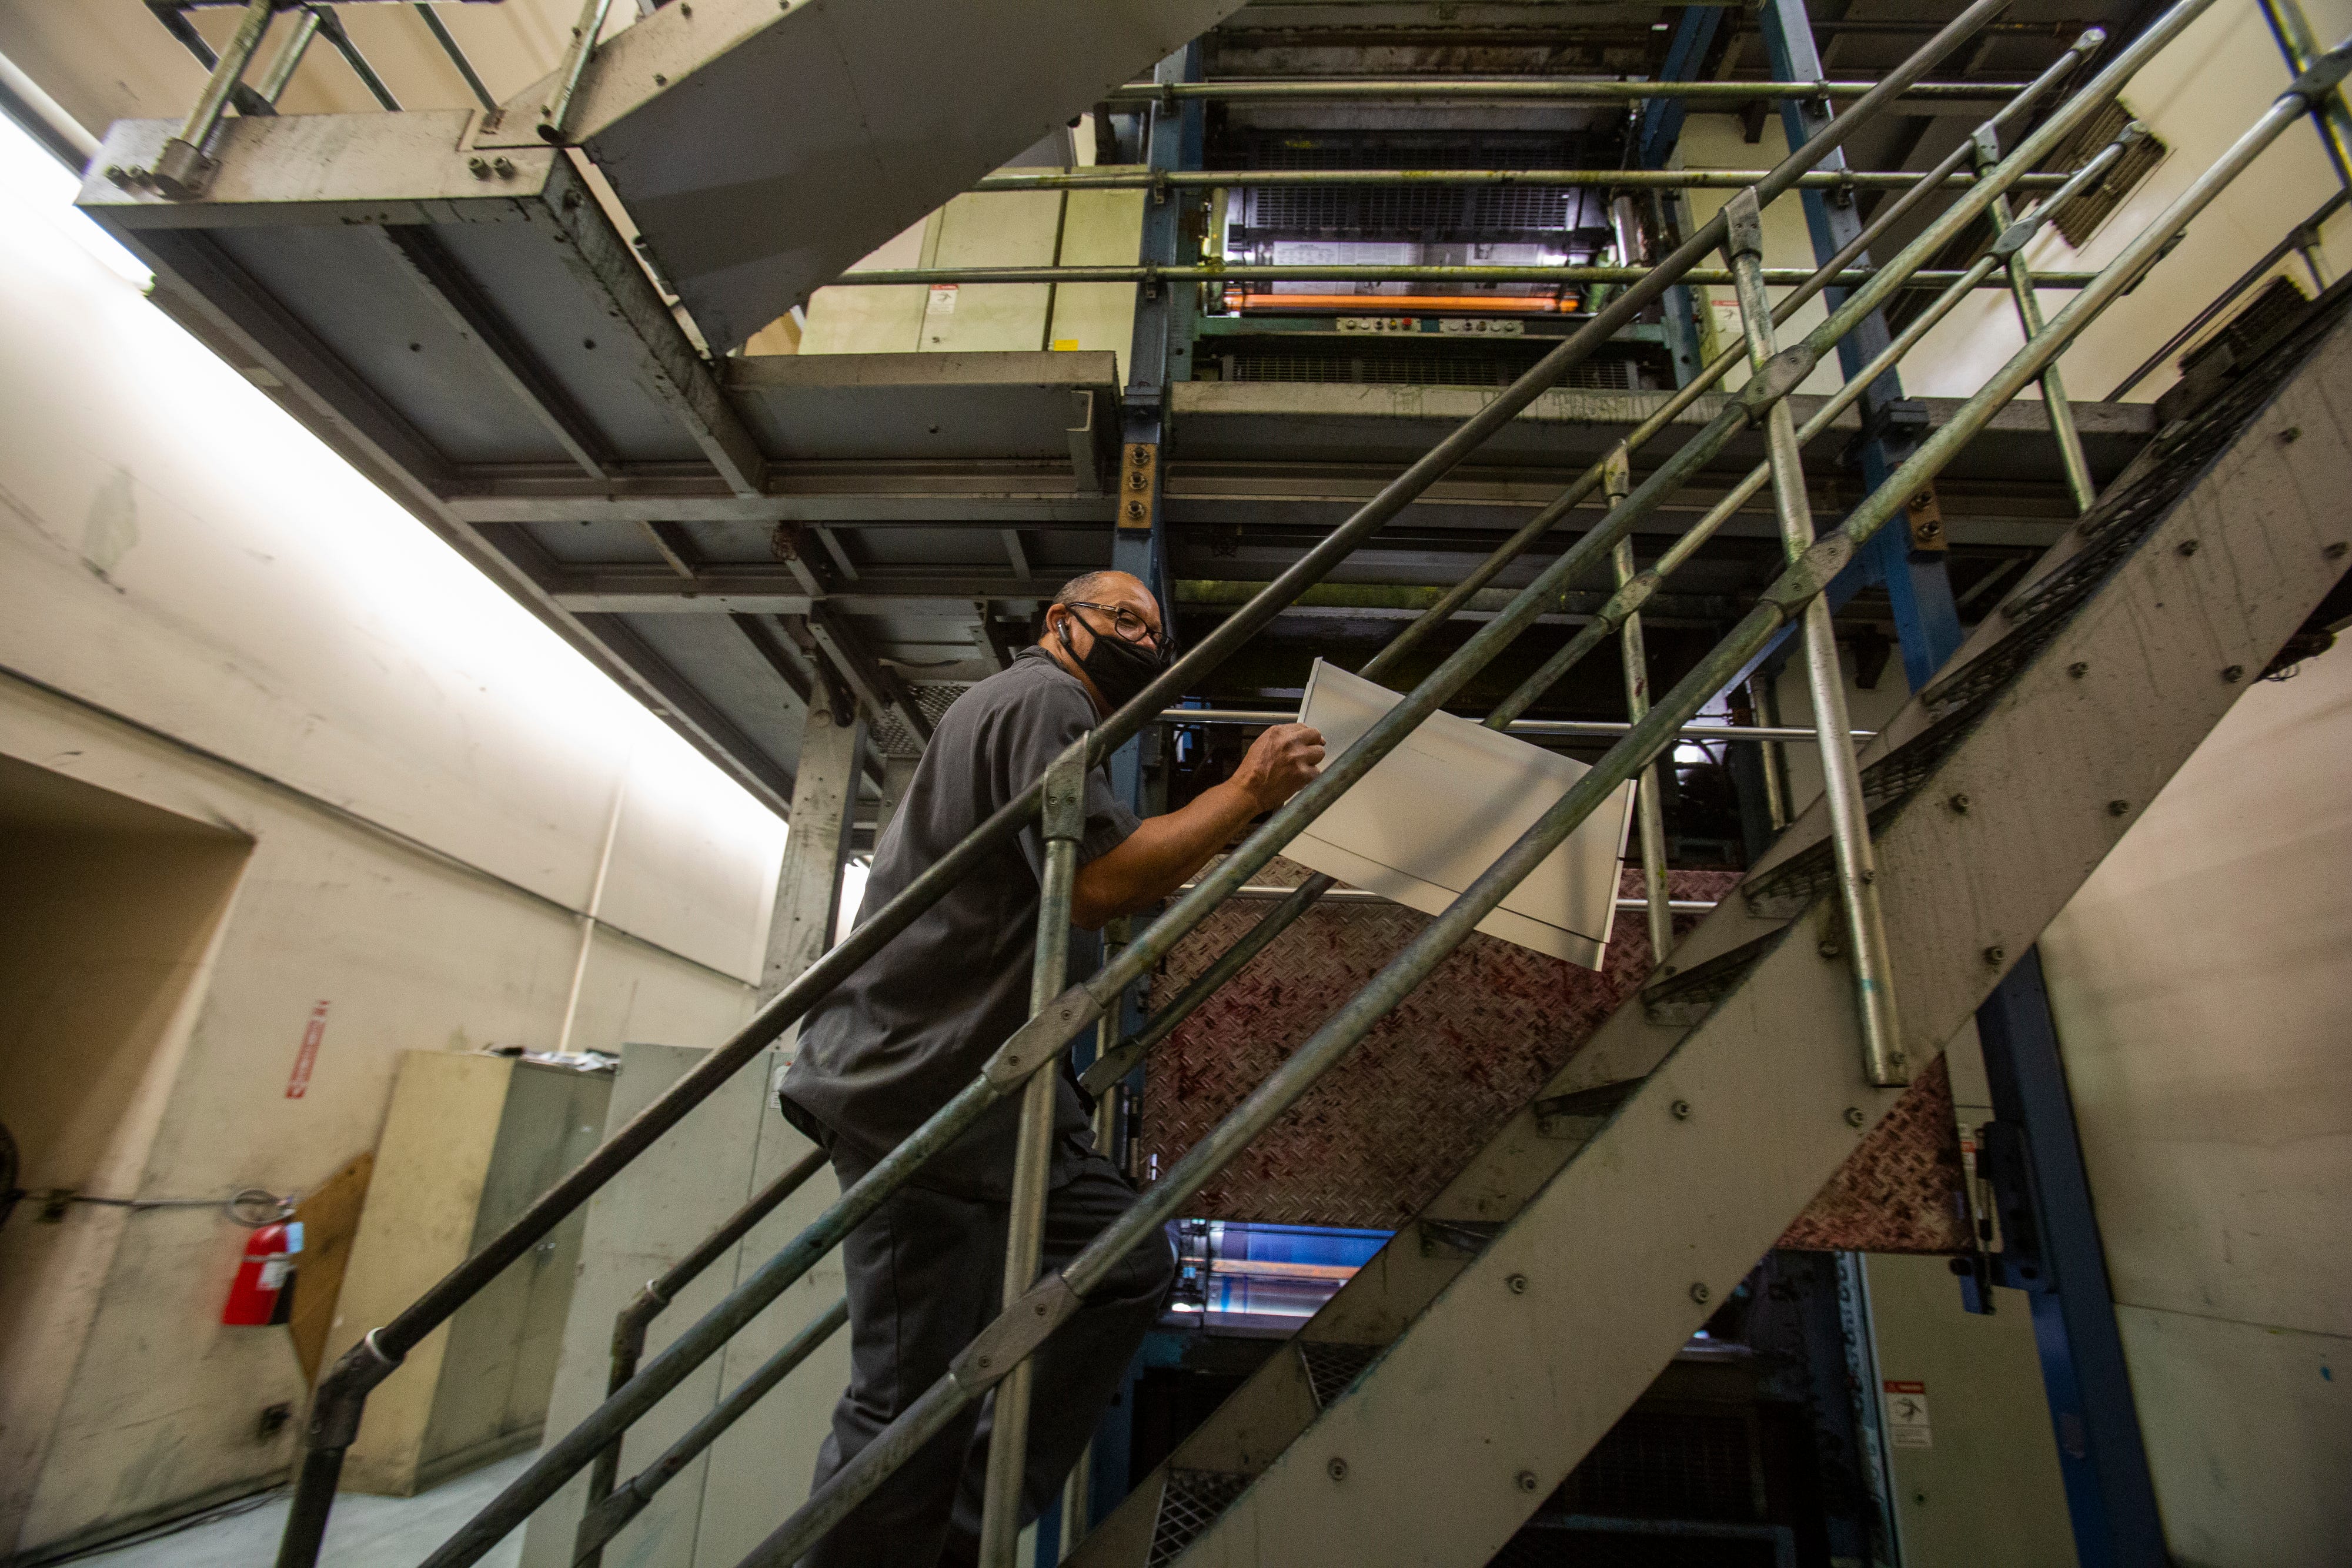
(1074, 1010)
(1612, 528)
(632, 1322)
(1022, 1328)
(1116, 1062)
(1125, 178)
(1569, 89)
(1340, 272)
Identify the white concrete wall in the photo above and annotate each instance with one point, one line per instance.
(2202, 985)
(427, 777)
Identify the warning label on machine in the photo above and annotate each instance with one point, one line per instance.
(1907, 1414)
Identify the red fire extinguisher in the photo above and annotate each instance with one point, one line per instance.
(263, 1290)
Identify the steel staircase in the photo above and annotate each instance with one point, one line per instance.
(1453, 1383)
(1441, 1395)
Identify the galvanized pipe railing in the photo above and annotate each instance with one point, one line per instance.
(604, 1516)
(574, 65)
(2028, 319)
(1884, 1061)
(185, 164)
(1008, 1437)
(1338, 272)
(271, 85)
(1134, 179)
(1887, 216)
(1023, 1327)
(1622, 605)
(1617, 484)
(1558, 90)
(1612, 525)
(336, 1412)
(1631, 595)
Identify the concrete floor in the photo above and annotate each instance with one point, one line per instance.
(365, 1532)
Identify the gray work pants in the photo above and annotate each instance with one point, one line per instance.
(926, 1274)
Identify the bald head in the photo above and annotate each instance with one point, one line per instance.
(1091, 587)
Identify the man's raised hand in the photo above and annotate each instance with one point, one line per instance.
(1279, 763)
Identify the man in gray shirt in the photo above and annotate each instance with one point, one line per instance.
(892, 1043)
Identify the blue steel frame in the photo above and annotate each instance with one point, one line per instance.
(1914, 582)
(2049, 1250)
(2040, 1188)
(1654, 136)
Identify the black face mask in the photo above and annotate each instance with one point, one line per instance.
(1118, 668)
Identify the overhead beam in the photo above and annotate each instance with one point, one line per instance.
(876, 687)
(678, 699)
(643, 589)
(677, 547)
(442, 282)
(667, 361)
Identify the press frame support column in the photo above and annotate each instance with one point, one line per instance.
(824, 801)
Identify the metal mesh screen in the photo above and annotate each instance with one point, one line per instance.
(1672, 1464)
(1564, 1545)
(1190, 1501)
(1387, 365)
(1421, 211)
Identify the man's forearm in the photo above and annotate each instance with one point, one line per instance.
(1156, 859)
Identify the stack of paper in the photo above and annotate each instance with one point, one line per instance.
(1439, 809)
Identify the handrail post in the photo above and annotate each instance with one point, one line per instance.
(1617, 483)
(183, 166)
(1008, 1438)
(558, 108)
(2029, 316)
(1882, 1039)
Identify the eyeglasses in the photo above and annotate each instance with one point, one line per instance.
(1125, 624)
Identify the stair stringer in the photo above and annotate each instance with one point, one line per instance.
(1399, 1284)
(1522, 1362)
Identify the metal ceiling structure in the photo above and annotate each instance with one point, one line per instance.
(524, 343)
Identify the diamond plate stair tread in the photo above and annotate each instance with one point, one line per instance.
(1372, 1143)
